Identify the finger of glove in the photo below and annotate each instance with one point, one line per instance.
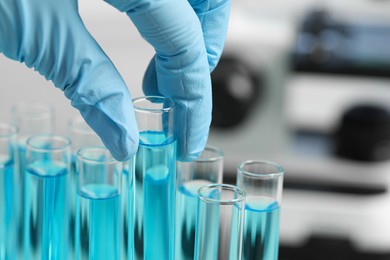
(53, 40)
(214, 18)
(149, 82)
(182, 71)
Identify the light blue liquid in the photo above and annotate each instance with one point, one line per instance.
(261, 229)
(98, 222)
(126, 210)
(186, 209)
(154, 197)
(8, 223)
(72, 206)
(20, 193)
(46, 219)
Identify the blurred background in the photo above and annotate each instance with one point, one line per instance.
(304, 83)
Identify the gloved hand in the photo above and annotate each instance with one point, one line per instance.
(179, 70)
(49, 36)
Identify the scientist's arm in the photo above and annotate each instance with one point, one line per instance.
(188, 37)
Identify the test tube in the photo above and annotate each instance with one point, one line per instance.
(8, 184)
(46, 215)
(207, 169)
(263, 183)
(98, 212)
(30, 118)
(219, 224)
(81, 135)
(155, 179)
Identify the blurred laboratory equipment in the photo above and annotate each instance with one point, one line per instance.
(363, 134)
(337, 42)
(248, 97)
(46, 214)
(153, 196)
(98, 205)
(338, 114)
(263, 183)
(220, 222)
(309, 81)
(9, 187)
(191, 176)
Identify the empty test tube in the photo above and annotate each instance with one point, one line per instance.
(219, 224)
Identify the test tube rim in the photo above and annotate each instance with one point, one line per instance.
(172, 104)
(76, 127)
(278, 173)
(12, 133)
(219, 155)
(81, 157)
(239, 199)
(22, 108)
(31, 147)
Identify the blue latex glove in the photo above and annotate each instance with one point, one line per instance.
(188, 38)
(49, 36)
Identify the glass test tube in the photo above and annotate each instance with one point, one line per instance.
(207, 169)
(98, 207)
(127, 246)
(81, 135)
(30, 118)
(219, 224)
(8, 185)
(46, 214)
(154, 180)
(263, 183)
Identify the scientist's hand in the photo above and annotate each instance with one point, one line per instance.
(49, 36)
(188, 37)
